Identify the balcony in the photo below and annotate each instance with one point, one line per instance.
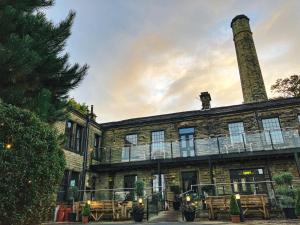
(254, 142)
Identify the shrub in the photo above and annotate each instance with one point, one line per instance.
(31, 170)
(284, 178)
(234, 208)
(86, 210)
(139, 188)
(286, 194)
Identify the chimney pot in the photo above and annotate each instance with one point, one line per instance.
(205, 99)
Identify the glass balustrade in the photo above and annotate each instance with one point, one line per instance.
(223, 144)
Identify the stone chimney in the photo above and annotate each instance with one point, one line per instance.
(253, 86)
(92, 114)
(205, 99)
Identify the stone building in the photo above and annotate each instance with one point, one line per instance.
(235, 148)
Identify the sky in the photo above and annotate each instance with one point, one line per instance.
(150, 57)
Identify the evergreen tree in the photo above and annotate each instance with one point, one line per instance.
(34, 70)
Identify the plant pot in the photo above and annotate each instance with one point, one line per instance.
(138, 216)
(289, 213)
(72, 217)
(138, 213)
(189, 215)
(176, 205)
(85, 219)
(235, 218)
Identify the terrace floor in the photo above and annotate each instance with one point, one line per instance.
(248, 222)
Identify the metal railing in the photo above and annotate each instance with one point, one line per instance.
(216, 145)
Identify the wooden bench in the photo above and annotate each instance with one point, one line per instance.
(219, 204)
(100, 209)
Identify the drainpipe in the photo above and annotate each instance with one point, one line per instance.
(85, 153)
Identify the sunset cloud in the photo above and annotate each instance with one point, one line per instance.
(154, 57)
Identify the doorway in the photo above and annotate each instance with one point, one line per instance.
(189, 178)
(129, 184)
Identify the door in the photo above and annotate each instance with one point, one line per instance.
(189, 178)
(187, 142)
(248, 181)
(129, 184)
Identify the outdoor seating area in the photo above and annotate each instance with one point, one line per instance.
(99, 210)
(221, 204)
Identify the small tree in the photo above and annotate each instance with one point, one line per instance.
(234, 208)
(286, 194)
(30, 169)
(139, 188)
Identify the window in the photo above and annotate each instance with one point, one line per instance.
(69, 134)
(272, 131)
(157, 138)
(187, 141)
(130, 141)
(96, 152)
(78, 138)
(299, 118)
(236, 131)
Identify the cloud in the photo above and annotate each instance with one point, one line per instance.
(154, 57)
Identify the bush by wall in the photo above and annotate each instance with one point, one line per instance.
(30, 170)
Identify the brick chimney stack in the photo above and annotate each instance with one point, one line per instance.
(205, 99)
(253, 86)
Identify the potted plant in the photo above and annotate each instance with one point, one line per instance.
(189, 209)
(176, 190)
(138, 208)
(86, 212)
(286, 194)
(72, 196)
(234, 210)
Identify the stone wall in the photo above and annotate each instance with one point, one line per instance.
(114, 138)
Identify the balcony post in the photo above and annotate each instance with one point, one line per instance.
(271, 139)
(171, 149)
(110, 155)
(297, 162)
(129, 153)
(211, 174)
(150, 150)
(218, 143)
(244, 142)
(194, 147)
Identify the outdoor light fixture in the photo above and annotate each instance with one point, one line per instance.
(237, 197)
(140, 200)
(8, 146)
(188, 198)
(89, 202)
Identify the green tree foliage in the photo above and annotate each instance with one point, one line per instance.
(233, 207)
(139, 188)
(284, 191)
(34, 69)
(287, 87)
(31, 170)
(81, 107)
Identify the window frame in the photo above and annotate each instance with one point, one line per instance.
(233, 136)
(277, 132)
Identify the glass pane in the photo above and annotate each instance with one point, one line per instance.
(236, 131)
(273, 131)
(189, 130)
